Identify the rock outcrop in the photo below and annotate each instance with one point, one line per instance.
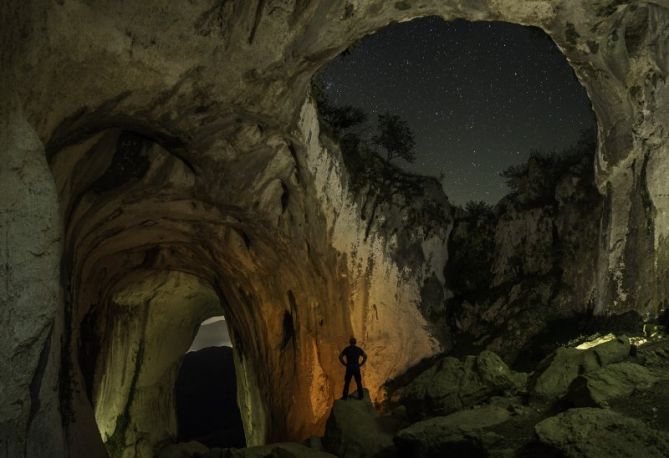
(557, 372)
(502, 426)
(145, 142)
(521, 269)
(596, 389)
(451, 384)
(353, 430)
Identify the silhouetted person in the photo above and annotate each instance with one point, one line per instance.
(352, 353)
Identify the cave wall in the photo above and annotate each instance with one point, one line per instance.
(231, 186)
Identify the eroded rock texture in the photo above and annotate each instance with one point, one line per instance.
(160, 161)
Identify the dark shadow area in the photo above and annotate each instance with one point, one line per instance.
(572, 329)
(206, 394)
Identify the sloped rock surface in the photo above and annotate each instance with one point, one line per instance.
(462, 433)
(353, 430)
(599, 433)
(452, 384)
(596, 389)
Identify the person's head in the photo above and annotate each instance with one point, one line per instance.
(352, 341)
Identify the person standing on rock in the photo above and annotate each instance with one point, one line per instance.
(350, 357)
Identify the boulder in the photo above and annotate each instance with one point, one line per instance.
(353, 430)
(280, 450)
(601, 433)
(613, 351)
(556, 373)
(462, 433)
(494, 372)
(596, 388)
(451, 385)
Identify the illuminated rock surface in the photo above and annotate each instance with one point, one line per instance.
(156, 156)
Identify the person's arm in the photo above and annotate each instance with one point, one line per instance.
(364, 358)
(341, 358)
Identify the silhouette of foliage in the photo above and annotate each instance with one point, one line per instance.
(395, 137)
(337, 118)
(536, 179)
(369, 152)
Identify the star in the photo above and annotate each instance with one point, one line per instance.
(479, 97)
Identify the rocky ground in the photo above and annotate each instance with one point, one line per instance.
(602, 397)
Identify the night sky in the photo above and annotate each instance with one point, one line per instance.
(212, 333)
(479, 97)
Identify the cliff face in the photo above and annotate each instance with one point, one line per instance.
(159, 162)
(520, 269)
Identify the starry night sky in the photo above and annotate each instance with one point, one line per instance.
(479, 97)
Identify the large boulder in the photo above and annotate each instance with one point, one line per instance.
(596, 389)
(353, 430)
(556, 373)
(601, 433)
(451, 384)
(462, 433)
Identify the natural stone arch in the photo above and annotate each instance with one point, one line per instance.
(121, 237)
(236, 74)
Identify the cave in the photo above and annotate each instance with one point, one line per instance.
(163, 163)
(206, 390)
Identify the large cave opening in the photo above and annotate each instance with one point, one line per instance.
(493, 114)
(172, 170)
(206, 390)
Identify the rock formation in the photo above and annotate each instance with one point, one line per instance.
(536, 423)
(161, 163)
(527, 267)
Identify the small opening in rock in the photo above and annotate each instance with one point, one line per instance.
(206, 390)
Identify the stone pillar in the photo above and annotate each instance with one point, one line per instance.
(30, 292)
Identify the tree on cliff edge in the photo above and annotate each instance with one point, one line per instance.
(371, 150)
(395, 138)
